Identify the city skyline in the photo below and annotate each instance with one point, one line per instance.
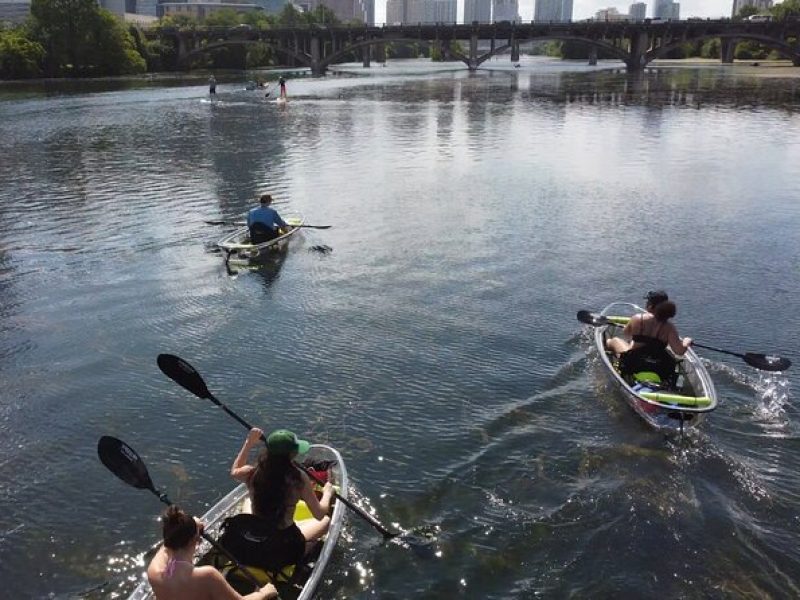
(585, 9)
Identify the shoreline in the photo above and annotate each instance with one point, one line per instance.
(755, 68)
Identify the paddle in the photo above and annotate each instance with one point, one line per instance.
(122, 461)
(243, 223)
(187, 377)
(762, 362)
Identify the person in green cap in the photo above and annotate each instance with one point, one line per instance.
(275, 487)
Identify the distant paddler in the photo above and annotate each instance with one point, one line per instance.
(282, 83)
(264, 222)
(212, 85)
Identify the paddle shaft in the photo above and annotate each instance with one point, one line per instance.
(244, 223)
(718, 350)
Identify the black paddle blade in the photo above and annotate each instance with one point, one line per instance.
(766, 363)
(122, 461)
(584, 316)
(183, 374)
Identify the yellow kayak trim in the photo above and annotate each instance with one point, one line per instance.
(676, 399)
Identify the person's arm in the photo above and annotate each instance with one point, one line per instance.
(280, 222)
(676, 344)
(217, 588)
(240, 470)
(318, 508)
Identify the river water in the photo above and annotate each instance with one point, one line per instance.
(436, 345)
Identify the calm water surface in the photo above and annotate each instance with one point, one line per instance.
(436, 346)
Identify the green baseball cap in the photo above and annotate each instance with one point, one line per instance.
(283, 441)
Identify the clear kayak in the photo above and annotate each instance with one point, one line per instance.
(665, 406)
(296, 582)
(239, 250)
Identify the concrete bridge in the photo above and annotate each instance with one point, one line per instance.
(634, 43)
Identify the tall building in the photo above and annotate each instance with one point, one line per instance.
(552, 10)
(478, 10)
(395, 12)
(147, 7)
(637, 11)
(445, 11)
(761, 5)
(610, 14)
(347, 10)
(667, 9)
(419, 11)
(367, 8)
(506, 10)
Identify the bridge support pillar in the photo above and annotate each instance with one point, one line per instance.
(640, 43)
(727, 50)
(185, 46)
(316, 67)
(473, 52)
(366, 55)
(593, 56)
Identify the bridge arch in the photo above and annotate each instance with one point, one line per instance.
(784, 48)
(342, 52)
(302, 58)
(615, 51)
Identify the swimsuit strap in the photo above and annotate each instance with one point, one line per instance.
(171, 564)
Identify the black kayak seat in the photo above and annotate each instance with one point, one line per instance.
(260, 233)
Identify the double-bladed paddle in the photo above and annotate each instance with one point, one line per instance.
(762, 362)
(243, 223)
(187, 377)
(124, 462)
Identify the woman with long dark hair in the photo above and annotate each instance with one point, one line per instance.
(173, 574)
(647, 336)
(276, 485)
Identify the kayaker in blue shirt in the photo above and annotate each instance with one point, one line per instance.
(264, 222)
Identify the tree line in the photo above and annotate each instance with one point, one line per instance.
(77, 38)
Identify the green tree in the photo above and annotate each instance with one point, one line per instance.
(322, 15)
(747, 11)
(711, 48)
(20, 57)
(180, 22)
(113, 51)
(80, 38)
(786, 9)
(290, 16)
(63, 28)
(227, 17)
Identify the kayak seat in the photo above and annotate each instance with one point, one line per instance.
(660, 364)
(255, 542)
(260, 233)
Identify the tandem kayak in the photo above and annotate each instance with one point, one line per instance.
(664, 407)
(239, 250)
(296, 582)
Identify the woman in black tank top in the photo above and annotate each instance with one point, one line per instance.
(651, 330)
